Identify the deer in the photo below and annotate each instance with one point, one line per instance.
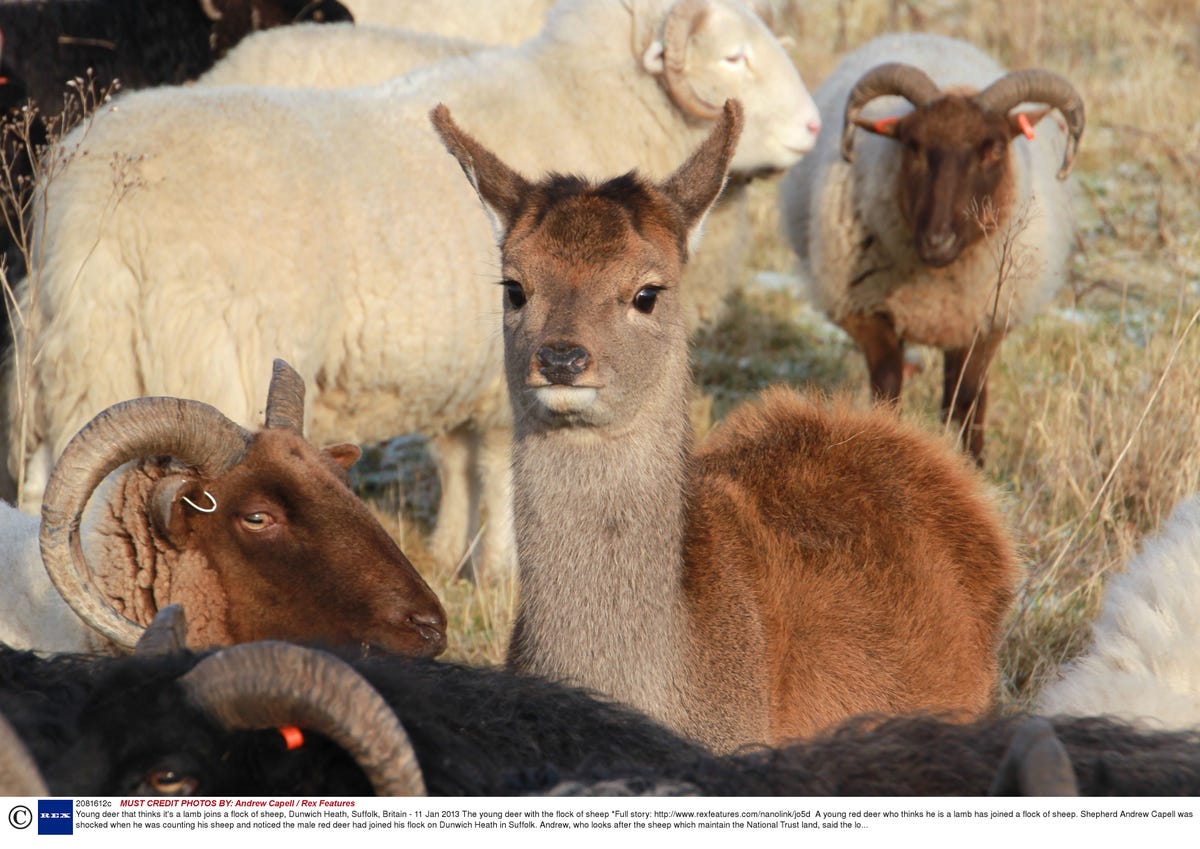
(808, 562)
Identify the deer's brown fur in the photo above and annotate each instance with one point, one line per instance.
(810, 562)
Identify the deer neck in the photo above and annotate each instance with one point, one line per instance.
(600, 519)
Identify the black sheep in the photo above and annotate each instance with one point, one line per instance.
(133, 725)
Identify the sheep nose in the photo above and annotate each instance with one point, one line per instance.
(939, 248)
(432, 629)
(561, 363)
(814, 126)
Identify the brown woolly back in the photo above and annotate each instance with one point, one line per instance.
(878, 568)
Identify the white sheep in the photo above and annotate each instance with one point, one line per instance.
(347, 55)
(328, 227)
(1143, 663)
(485, 21)
(904, 234)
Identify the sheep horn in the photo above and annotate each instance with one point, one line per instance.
(19, 774)
(1039, 86)
(285, 398)
(193, 433)
(210, 9)
(1035, 763)
(907, 81)
(677, 30)
(269, 684)
(167, 634)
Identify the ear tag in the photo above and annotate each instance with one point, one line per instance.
(293, 737)
(1026, 127)
(881, 126)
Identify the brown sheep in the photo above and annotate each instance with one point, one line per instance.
(258, 534)
(808, 563)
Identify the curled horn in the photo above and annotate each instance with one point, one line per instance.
(677, 30)
(193, 433)
(19, 774)
(269, 684)
(285, 398)
(1038, 86)
(210, 9)
(167, 634)
(909, 82)
(1035, 764)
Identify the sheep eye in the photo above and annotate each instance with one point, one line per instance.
(257, 521)
(738, 58)
(514, 294)
(646, 298)
(168, 782)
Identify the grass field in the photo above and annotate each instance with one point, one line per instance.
(1092, 430)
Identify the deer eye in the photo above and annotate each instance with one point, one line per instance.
(646, 298)
(514, 294)
(258, 521)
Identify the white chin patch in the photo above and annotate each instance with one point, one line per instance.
(565, 399)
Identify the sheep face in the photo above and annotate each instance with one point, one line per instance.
(296, 554)
(715, 50)
(954, 172)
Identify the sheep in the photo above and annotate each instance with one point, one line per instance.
(1141, 664)
(946, 226)
(332, 56)
(47, 44)
(480, 731)
(384, 353)
(260, 533)
(484, 21)
(861, 564)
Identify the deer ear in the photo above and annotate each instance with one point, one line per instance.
(697, 182)
(345, 455)
(499, 187)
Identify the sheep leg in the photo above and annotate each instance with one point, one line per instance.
(964, 390)
(498, 547)
(458, 509)
(884, 349)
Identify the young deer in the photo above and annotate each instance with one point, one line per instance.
(810, 562)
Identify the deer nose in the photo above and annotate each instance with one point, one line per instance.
(561, 363)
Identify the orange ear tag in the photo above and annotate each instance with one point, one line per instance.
(293, 737)
(1026, 127)
(882, 124)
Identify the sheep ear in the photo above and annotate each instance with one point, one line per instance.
(173, 501)
(345, 455)
(654, 59)
(697, 183)
(499, 187)
(1022, 123)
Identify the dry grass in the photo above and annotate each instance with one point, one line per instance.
(1092, 433)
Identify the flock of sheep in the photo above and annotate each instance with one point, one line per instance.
(807, 602)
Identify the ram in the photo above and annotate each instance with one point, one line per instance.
(809, 562)
(939, 216)
(208, 724)
(221, 231)
(1143, 661)
(258, 533)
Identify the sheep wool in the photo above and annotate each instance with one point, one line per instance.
(1143, 663)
